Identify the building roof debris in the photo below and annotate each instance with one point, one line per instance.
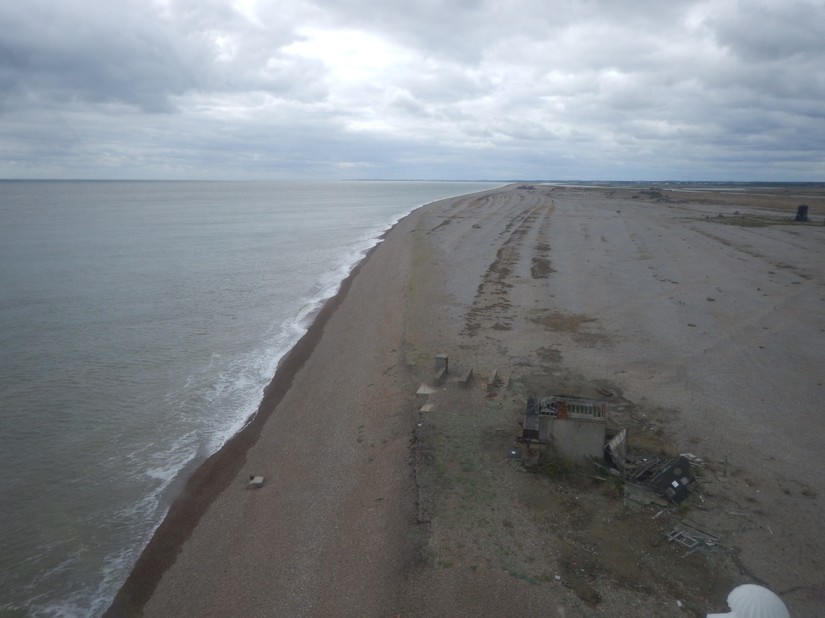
(691, 537)
(615, 451)
(576, 428)
(673, 479)
(670, 478)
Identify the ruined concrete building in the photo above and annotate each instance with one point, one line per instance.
(574, 427)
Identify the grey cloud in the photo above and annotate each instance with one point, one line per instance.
(56, 52)
(448, 84)
(407, 104)
(570, 88)
(142, 54)
(772, 31)
(467, 31)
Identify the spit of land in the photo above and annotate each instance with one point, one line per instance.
(697, 316)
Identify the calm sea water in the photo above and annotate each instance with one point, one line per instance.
(139, 323)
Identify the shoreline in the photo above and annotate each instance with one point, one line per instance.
(661, 300)
(209, 478)
(212, 476)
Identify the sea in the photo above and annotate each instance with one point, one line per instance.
(139, 325)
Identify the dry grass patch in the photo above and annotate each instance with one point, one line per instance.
(561, 322)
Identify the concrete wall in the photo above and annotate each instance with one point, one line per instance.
(578, 439)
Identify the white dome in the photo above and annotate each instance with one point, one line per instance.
(752, 601)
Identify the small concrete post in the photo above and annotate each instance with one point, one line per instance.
(441, 361)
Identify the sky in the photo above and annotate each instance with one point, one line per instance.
(413, 89)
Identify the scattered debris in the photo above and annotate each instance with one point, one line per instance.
(615, 451)
(640, 495)
(576, 429)
(673, 480)
(696, 462)
(691, 537)
(644, 468)
(466, 377)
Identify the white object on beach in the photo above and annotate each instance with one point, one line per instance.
(752, 601)
(255, 482)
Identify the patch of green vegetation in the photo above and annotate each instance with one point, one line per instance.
(613, 487)
(469, 464)
(524, 577)
(555, 468)
(430, 555)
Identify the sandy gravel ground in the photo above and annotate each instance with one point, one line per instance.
(708, 331)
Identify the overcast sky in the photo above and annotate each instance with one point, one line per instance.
(442, 89)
